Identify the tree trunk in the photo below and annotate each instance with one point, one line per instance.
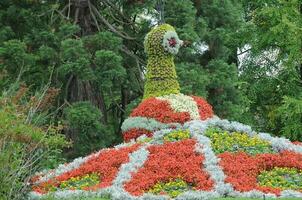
(79, 90)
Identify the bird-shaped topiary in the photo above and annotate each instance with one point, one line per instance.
(163, 105)
(175, 148)
(161, 44)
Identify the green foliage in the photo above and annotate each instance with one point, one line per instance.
(84, 119)
(24, 148)
(198, 81)
(16, 61)
(110, 70)
(75, 59)
(223, 25)
(182, 15)
(222, 87)
(273, 68)
(283, 178)
(279, 26)
(13, 126)
(289, 114)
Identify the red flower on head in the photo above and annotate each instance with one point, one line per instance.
(172, 42)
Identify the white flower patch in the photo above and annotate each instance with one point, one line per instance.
(136, 160)
(197, 195)
(200, 126)
(281, 144)
(197, 126)
(211, 165)
(67, 194)
(158, 136)
(290, 194)
(182, 103)
(146, 123)
(171, 42)
(252, 194)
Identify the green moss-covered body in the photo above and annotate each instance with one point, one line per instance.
(161, 78)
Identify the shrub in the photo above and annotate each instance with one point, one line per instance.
(88, 133)
(289, 115)
(25, 148)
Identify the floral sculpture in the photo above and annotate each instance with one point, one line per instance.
(175, 147)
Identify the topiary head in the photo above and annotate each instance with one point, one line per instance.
(162, 40)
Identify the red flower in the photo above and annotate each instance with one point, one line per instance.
(170, 160)
(242, 169)
(297, 143)
(172, 42)
(159, 110)
(107, 164)
(135, 133)
(204, 108)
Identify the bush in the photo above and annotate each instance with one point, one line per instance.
(24, 147)
(86, 130)
(290, 116)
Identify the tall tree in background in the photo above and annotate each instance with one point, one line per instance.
(211, 31)
(273, 67)
(223, 23)
(80, 47)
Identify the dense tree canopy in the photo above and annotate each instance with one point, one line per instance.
(243, 56)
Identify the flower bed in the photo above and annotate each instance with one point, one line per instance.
(177, 135)
(169, 111)
(202, 160)
(224, 141)
(170, 161)
(281, 177)
(135, 133)
(243, 168)
(181, 157)
(173, 188)
(159, 110)
(106, 164)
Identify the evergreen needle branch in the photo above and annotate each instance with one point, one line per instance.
(110, 26)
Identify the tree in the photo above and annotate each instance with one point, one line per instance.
(273, 66)
(210, 31)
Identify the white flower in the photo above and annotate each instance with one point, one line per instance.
(182, 103)
(171, 42)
